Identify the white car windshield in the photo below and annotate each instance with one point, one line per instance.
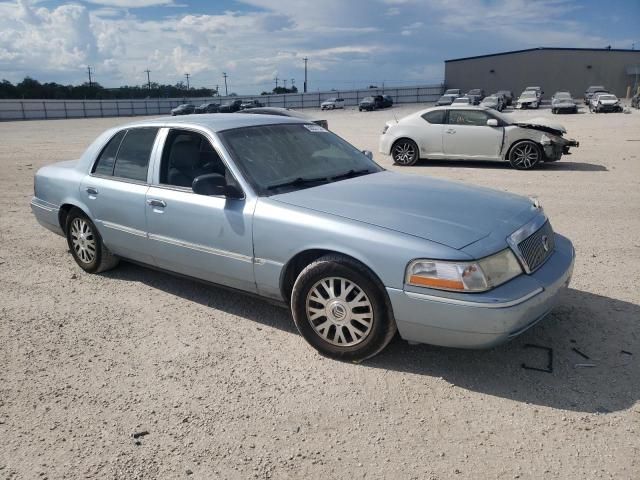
(528, 94)
(607, 97)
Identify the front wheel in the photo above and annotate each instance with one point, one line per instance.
(340, 309)
(405, 152)
(525, 155)
(86, 245)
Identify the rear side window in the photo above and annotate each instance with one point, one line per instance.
(104, 165)
(132, 161)
(436, 117)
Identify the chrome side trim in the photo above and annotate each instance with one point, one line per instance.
(46, 206)
(122, 228)
(200, 248)
(468, 303)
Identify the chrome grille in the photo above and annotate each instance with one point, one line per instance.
(536, 248)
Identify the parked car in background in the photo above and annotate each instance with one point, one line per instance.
(184, 109)
(280, 207)
(230, 106)
(287, 112)
(446, 99)
(476, 95)
(453, 91)
(604, 102)
(375, 102)
(207, 108)
(462, 101)
(251, 104)
(528, 99)
(473, 133)
(635, 101)
(563, 102)
(537, 90)
(508, 96)
(492, 101)
(591, 90)
(332, 104)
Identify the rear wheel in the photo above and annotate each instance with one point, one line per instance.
(340, 309)
(86, 245)
(405, 152)
(525, 155)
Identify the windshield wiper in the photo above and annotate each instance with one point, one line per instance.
(300, 181)
(351, 173)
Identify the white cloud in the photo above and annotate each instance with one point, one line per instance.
(132, 3)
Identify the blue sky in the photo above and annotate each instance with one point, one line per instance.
(348, 43)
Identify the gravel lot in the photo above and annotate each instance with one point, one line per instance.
(226, 388)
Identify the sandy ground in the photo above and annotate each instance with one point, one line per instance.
(226, 388)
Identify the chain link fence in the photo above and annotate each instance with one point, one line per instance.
(57, 109)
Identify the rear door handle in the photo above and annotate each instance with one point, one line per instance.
(92, 191)
(451, 130)
(156, 203)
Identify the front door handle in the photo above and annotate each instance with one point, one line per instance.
(451, 130)
(156, 203)
(92, 191)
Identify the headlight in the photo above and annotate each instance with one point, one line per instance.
(476, 276)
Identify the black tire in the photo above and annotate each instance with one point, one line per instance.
(87, 249)
(405, 152)
(337, 311)
(525, 155)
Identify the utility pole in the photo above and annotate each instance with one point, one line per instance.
(187, 75)
(226, 90)
(89, 71)
(218, 90)
(148, 78)
(305, 74)
(285, 83)
(276, 79)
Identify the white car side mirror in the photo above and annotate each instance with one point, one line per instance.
(492, 122)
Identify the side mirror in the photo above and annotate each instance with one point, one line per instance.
(368, 154)
(214, 184)
(492, 122)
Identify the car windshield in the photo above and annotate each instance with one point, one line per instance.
(595, 89)
(562, 96)
(490, 99)
(451, 92)
(607, 97)
(461, 100)
(475, 91)
(285, 157)
(367, 99)
(528, 94)
(330, 100)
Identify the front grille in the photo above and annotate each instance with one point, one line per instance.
(538, 247)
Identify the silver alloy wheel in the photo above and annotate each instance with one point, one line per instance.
(525, 155)
(404, 153)
(339, 311)
(83, 240)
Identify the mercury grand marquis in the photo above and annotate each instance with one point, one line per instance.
(282, 208)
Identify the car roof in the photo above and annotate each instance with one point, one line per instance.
(217, 122)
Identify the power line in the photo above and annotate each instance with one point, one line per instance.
(226, 90)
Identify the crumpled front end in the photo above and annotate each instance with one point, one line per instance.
(555, 146)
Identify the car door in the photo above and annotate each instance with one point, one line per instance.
(115, 192)
(467, 135)
(207, 237)
(430, 133)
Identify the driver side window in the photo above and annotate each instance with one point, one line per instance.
(188, 155)
(476, 118)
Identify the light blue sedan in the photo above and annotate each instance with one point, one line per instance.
(282, 208)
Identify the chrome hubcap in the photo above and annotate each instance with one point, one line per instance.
(339, 311)
(83, 240)
(404, 153)
(525, 155)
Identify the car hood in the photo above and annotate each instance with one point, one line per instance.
(450, 213)
(541, 124)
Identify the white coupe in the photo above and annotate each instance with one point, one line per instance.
(473, 133)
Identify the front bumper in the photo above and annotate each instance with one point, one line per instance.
(483, 320)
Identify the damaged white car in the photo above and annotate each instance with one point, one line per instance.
(473, 133)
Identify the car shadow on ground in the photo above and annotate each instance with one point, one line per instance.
(561, 165)
(605, 330)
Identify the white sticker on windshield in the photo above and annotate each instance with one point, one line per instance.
(314, 128)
